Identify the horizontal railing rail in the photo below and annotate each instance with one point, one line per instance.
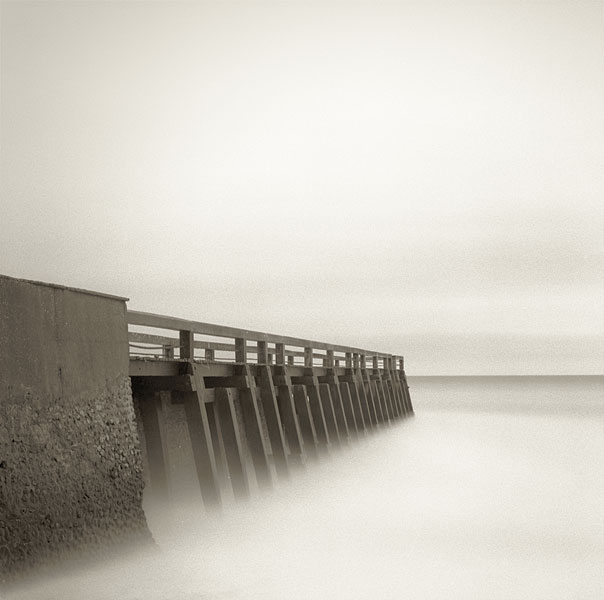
(241, 345)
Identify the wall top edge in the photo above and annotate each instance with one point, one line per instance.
(64, 287)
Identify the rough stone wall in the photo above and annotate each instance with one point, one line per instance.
(70, 466)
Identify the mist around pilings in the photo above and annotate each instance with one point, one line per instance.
(463, 501)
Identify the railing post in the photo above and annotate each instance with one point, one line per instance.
(240, 350)
(280, 354)
(308, 358)
(187, 345)
(349, 360)
(262, 353)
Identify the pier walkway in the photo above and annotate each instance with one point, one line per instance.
(278, 400)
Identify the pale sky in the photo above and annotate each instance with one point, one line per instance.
(425, 179)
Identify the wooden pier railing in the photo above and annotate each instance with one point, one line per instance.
(255, 403)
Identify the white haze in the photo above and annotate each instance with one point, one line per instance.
(471, 505)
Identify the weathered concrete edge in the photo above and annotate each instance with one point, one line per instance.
(65, 287)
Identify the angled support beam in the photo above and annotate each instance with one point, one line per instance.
(320, 403)
(268, 396)
(374, 405)
(363, 400)
(329, 412)
(397, 373)
(224, 404)
(393, 383)
(154, 425)
(201, 440)
(396, 387)
(374, 379)
(406, 388)
(305, 419)
(258, 445)
(360, 410)
(392, 404)
(287, 411)
(377, 378)
(351, 412)
(217, 444)
(383, 391)
(343, 412)
(360, 407)
(317, 411)
(367, 398)
(387, 391)
(403, 378)
(379, 404)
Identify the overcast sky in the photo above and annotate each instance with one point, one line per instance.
(420, 178)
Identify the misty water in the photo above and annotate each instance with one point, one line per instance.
(494, 490)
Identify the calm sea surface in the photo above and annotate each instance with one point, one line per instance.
(495, 490)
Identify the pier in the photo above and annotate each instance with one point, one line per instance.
(87, 386)
(280, 400)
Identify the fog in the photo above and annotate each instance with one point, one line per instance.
(467, 504)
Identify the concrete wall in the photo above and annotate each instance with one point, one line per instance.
(70, 465)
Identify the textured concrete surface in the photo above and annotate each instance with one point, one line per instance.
(70, 466)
